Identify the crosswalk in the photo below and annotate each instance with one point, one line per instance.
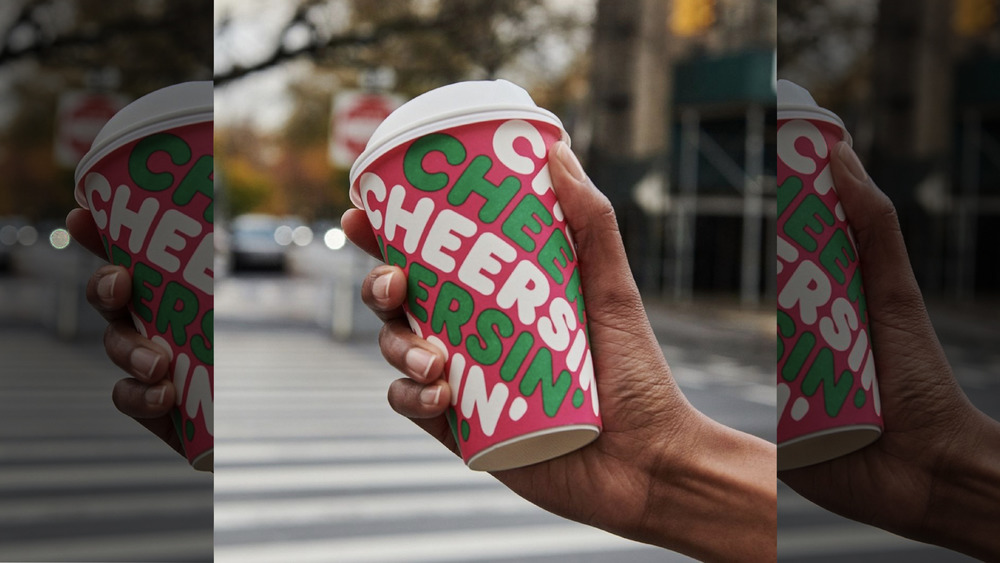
(78, 480)
(313, 465)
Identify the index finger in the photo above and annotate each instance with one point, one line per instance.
(81, 226)
(359, 231)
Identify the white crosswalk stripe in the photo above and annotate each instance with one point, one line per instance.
(313, 465)
(78, 480)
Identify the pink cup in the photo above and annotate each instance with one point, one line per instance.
(457, 188)
(828, 401)
(148, 181)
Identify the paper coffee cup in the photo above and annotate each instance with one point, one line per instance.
(828, 401)
(148, 181)
(456, 185)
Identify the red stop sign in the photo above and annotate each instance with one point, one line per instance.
(81, 117)
(356, 115)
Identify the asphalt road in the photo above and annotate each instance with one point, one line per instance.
(78, 480)
(311, 460)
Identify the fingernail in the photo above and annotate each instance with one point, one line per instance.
(854, 166)
(430, 395)
(419, 362)
(106, 286)
(144, 361)
(380, 289)
(569, 160)
(154, 395)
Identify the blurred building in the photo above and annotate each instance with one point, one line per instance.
(918, 84)
(683, 141)
(935, 113)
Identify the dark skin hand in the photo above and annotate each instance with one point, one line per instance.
(934, 475)
(661, 472)
(148, 395)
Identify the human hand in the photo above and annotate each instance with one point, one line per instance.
(661, 472)
(148, 395)
(934, 474)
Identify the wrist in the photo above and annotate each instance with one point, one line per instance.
(962, 507)
(716, 499)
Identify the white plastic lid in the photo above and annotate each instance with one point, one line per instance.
(449, 106)
(795, 102)
(166, 108)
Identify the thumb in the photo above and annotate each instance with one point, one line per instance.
(604, 269)
(892, 292)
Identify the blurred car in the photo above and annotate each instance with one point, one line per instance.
(255, 242)
(14, 231)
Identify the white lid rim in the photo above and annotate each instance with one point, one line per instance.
(453, 119)
(139, 130)
(788, 112)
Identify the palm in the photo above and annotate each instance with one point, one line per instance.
(919, 402)
(636, 411)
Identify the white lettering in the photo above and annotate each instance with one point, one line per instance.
(412, 221)
(475, 399)
(96, 184)
(837, 328)
(166, 235)
(137, 222)
(808, 287)
(199, 271)
(372, 184)
(482, 257)
(792, 131)
(556, 328)
(503, 145)
(528, 288)
(442, 236)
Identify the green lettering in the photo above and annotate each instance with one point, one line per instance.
(837, 255)
(178, 309)
(856, 293)
(526, 214)
(574, 293)
(786, 329)
(555, 255)
(539, 374)
(787, 192)
(487, 347)
(144, 279)
(418, 280)
(518, 354)
(821, 373)
(413, 161)
(453, 308)
(201, 346)
(198, 180)
(394, 257)
(811, 213)
(120, 257)
(797, 357)
(138, 160)
(473, 180)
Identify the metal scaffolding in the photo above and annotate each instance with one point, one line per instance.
(753, 201)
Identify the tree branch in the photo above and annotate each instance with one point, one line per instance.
(281, 54)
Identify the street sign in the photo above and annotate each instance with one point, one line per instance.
(356, 115)
(80, 116)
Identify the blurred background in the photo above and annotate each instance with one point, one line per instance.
(670, 104)
(917, 83)
(78, 480)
